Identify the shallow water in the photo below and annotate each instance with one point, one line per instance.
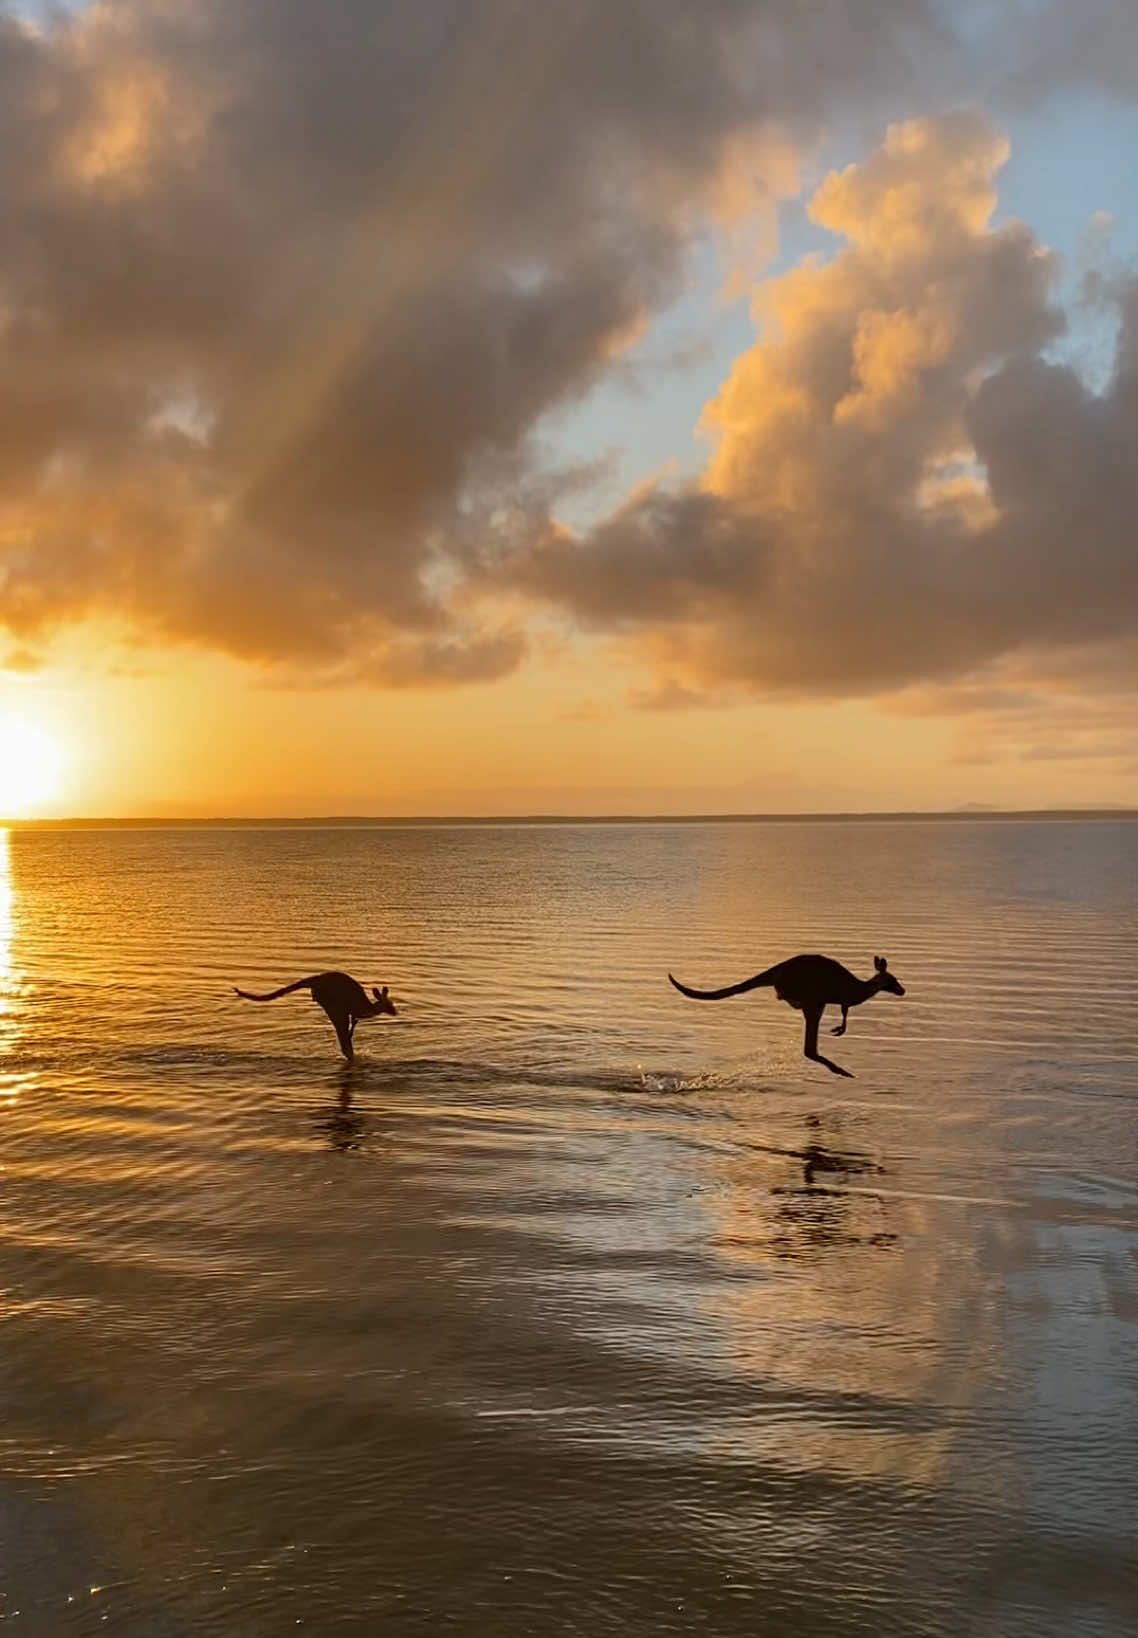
(572, 1306)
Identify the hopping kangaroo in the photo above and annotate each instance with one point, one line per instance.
(342, 999)
(810, 984)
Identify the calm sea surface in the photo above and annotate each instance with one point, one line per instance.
(572, 1307)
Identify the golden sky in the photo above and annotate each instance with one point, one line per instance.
(345, 355)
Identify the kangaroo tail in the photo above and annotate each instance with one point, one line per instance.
(301, 984)
(755, 983)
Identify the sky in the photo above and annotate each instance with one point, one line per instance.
(473, 407)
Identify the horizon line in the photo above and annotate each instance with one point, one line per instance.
(970, 811)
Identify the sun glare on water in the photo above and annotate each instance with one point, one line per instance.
(30, 767)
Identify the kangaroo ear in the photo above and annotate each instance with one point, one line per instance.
(879, 963)
(383, 991)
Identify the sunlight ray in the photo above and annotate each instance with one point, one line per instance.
(463, 134)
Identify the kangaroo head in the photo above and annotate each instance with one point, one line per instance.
(885, 979)
(383, 1002)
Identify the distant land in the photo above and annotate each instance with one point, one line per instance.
(970, 812)
(1073, 807)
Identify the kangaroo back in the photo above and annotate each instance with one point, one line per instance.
(756, 983)
(273, 995)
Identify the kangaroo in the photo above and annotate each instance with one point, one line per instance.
(344, 1001)
(810, 984)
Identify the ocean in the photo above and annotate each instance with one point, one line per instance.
(572, 1306)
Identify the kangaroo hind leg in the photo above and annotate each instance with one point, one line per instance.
(342, 1024)
(344, 1036)
(810, 1045)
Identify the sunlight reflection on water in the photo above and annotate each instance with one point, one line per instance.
(9, 1012)
(6, 915)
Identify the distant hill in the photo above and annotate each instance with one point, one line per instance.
(1052, 807)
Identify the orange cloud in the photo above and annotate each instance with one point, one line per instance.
(902, 489)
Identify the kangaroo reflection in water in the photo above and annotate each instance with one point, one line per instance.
(818, 1214)
(342, 1125)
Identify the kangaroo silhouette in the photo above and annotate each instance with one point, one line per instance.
(810, 984)
(344, 1001)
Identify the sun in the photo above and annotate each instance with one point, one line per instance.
(30, 766)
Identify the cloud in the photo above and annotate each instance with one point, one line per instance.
(285, 291)
(902, 489)
(673, 696)
(1068, 705)
(1033, 48)
(280, 284)
(21, 659)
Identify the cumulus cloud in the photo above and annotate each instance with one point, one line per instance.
(285, 291)
(903, 488)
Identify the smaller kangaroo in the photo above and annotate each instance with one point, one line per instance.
(810, 984)
(344, 1001)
